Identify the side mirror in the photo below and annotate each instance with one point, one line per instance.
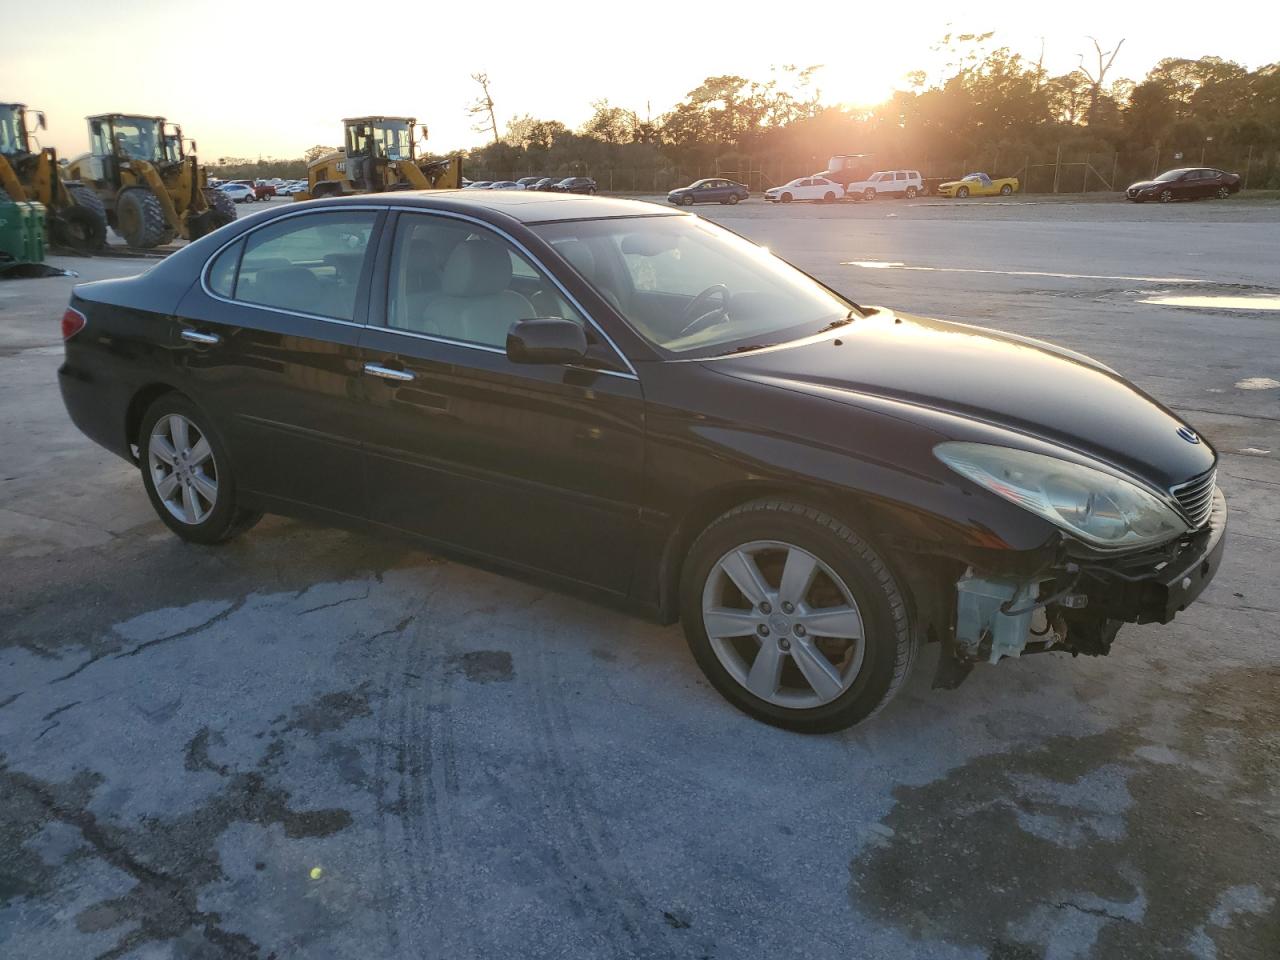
(194, 149)
(422, 131)
(40, 121)
(546, 340)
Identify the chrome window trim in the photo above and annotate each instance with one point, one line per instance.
(390, 207)
(486, 348)
(208, 264)
(550, 274)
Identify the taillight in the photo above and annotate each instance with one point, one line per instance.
(73, 322)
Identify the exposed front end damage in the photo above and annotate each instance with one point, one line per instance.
(1078, 602)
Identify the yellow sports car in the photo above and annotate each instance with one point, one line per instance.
(978, 185)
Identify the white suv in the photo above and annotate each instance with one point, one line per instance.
(898, 183)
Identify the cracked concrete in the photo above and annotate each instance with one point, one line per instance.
(309, 743)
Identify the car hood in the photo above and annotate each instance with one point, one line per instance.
(1013, 383)
(1143, 184)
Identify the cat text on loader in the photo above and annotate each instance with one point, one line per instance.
(379, 155)
(151, 189)
(28, 171)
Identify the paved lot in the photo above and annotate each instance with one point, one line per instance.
(312, 744)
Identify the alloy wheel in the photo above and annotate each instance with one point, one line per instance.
(183, 469)
(783, 624)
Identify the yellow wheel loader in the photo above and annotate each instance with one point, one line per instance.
(379, 155)
(74, 214)
(151, 189)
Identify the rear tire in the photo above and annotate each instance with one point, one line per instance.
(82, 226)
(849, 580)
(140, 219)
(828, 197)
(1223, 193)
(222, 206)
(734, 198)
(190, 484)
(911, 193)
(1006, 190)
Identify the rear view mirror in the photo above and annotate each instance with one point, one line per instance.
(647, 244)
(546, 340)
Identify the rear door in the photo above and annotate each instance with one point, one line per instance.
(537, 465)
(270, 340)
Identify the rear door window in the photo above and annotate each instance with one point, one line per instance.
(310, 264)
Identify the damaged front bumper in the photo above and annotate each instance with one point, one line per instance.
(1078, 603)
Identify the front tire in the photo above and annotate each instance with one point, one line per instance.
(785, 198)
(962, 193)
(1223, 193)
(794, 618)
(140, 219)
(223, 207)
(188, 474)
(688, 201)
(1166, 196)
(869, 193)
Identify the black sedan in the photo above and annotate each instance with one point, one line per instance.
(639, 403)
(713, 190)
(574, 185)
(1190, 183)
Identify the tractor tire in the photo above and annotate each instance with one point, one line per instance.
(222, 206)
(140, 219)
(82, 226)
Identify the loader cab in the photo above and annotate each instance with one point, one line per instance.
(381, 138)
(173, 150)
(127, 137)
(13, 129)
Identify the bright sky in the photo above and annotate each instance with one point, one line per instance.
(297, 70)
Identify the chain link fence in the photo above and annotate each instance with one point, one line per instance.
(1063, 171)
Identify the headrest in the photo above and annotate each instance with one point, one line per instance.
(579, 255)
(476, 268)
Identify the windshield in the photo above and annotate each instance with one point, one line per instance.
(137, 137)
(692, 288)
(11, 139)
(1170, 175)
(386, 138)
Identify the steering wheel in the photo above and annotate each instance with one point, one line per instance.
(696, 313)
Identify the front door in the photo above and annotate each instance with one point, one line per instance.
(270, 341)
(537, 465)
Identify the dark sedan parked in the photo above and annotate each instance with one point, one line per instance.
(1190, 183)
(574, 185)
(636, 401)
(713, 190)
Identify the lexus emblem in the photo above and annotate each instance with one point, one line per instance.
(1189, 435)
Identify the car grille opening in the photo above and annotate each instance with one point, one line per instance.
(1196, 497)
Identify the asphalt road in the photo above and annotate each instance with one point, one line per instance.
(313, 744)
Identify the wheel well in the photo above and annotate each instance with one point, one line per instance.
(720, 501)
(138, 406)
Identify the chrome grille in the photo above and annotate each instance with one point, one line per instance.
(1196, 497)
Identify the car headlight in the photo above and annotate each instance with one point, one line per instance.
(1098, 507)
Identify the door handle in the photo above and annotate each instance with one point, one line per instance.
(403, 376)
(195, 336)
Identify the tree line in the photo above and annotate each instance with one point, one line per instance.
(989, 104)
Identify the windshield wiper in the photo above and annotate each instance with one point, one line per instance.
(846, 319)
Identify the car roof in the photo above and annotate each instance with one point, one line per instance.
(517, 204)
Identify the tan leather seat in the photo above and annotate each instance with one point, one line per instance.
(475, 302)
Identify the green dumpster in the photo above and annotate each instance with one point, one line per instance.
(22, 241)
